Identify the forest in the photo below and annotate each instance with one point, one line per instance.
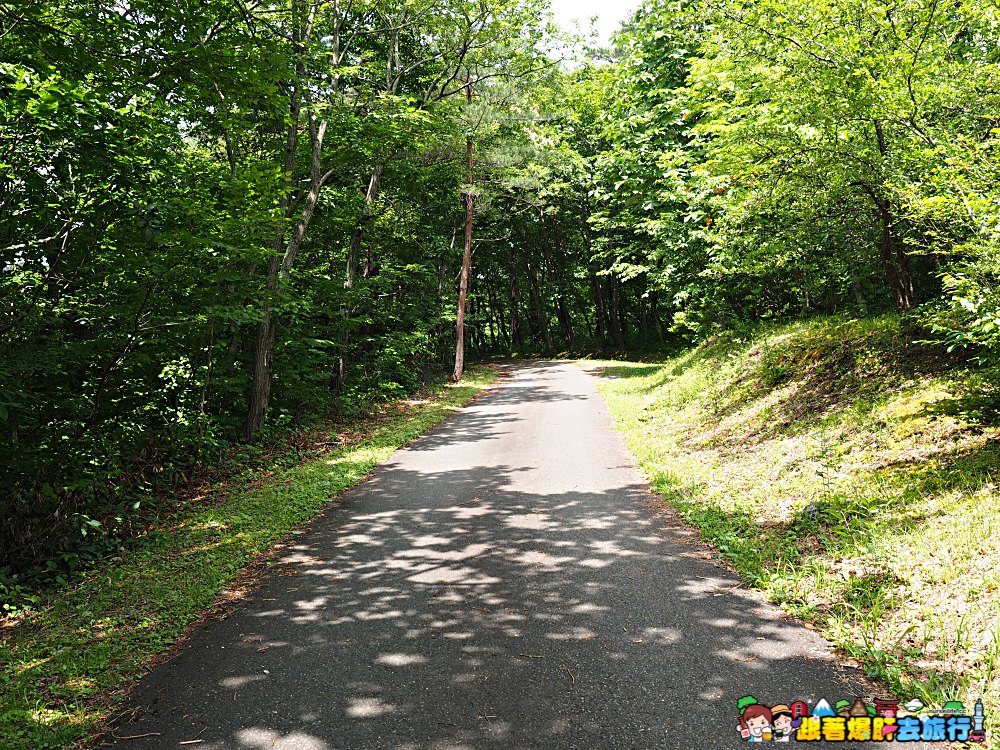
(222, 220)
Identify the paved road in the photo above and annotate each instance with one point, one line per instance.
(505, 582)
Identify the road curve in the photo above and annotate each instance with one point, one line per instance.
(504, 582)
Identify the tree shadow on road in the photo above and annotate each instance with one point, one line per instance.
(469, 615)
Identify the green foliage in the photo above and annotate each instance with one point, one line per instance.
(764, 160)
(970, 317)
(153, 221)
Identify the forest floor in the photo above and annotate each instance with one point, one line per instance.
(67, 662)
(850, 476)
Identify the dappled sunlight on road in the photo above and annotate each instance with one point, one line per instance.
(504, 582)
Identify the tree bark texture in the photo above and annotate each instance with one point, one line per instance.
(279, 270)
(463, 287)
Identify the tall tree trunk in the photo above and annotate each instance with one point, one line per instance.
(505, 342)
(565, 321)
(601, 322)
(261, 377)
(514, 293)
(279, 267)
(584, 310)
(534, 293)
(892, 253)
(555, 269)
(602, 325)
(463, 287)
(351, 271)
(263, 350)
(894, 260)
(498, 333)
(367, 211)
(278, 271)
(463, 290)
(615, 314)
(490, 310)
(504, 334)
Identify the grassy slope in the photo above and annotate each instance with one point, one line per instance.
(895, 448)
(65, 666)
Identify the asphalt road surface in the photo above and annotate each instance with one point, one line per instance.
(504, 582)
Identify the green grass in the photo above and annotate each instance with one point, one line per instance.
(66, 665)
(848, 474)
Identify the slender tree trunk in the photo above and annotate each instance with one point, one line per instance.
(490, 310)
(279, 267)
(909, 296)
(263, 350)
(615, 315)
(497, 333)
(555, 269)
(514, 293)
(585, 311)
(894, 259)
(505, 344)
(601, 322)
(209, 363)
(476, 325)
(602, 325)
(351, 271)
(501, 328)
(534, 293)
(367, 211)
(565, 321)
(263, 363)
(654, 309)
(278, 272)
(463, 287)
(892, 253)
